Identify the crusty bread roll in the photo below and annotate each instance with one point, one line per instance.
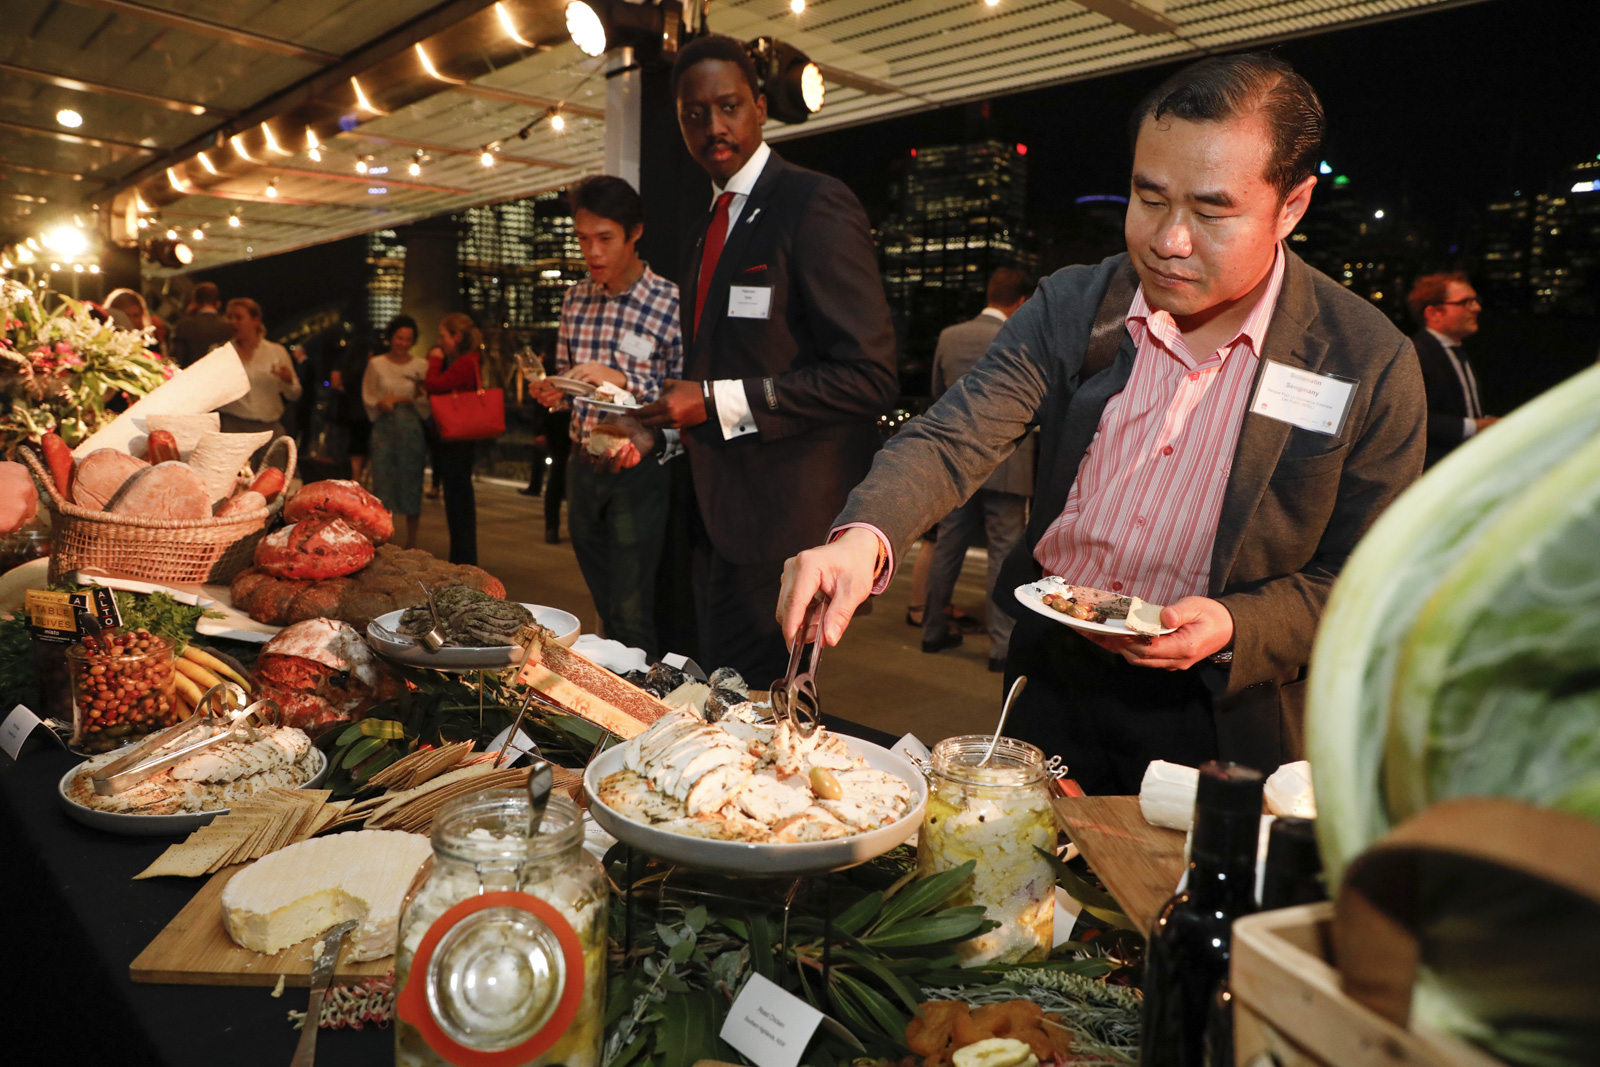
(166, 491)
(101, 474)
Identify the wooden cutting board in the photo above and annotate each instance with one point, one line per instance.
(195, 949)
(1140, 864)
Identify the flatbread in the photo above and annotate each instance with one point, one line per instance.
(1144, 618)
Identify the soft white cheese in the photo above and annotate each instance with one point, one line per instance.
(300, 891)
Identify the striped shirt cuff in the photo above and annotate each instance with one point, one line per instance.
(885, 569)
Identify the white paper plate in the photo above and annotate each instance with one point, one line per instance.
(413, 654)
(606, 405)
(117, 822)
(571, 386)
(762, 860)
(1032, 596)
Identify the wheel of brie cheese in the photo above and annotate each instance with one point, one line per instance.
(300, 891)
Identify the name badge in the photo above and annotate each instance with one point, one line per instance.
(1311, 401)
(637, 345)
(749, 301)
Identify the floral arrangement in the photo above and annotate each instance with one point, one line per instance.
(59, 367)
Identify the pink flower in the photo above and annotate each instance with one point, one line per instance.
(63, 349)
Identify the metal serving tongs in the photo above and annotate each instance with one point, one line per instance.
(221, 709)
(433, 640)
(795, 695)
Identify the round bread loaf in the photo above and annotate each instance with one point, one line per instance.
(270, 601)
(314, 549)
(169, 490)
(339, 498)
(101, 474)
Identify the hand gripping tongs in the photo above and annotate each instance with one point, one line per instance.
(218, 717)
(794, 697)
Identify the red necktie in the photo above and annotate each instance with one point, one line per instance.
(716, 235)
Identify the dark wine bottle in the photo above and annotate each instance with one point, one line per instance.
(1294, 866)
(1187, 962)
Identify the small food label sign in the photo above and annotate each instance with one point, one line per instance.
(22, 730)
(769, 1026)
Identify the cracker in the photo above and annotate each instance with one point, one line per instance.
(191, 858)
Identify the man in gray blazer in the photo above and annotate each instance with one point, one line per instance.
(1275, 413)
(1000, 507)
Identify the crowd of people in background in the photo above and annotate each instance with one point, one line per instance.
(758, 387)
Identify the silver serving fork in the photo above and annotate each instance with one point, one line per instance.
(794, 696)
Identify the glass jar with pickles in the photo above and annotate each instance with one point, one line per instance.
(998, 815)
(502, 946)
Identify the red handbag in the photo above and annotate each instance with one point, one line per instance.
(470, 415)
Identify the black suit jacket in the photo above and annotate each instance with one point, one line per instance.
(818, 371)
(1295, 504)
(1447, 404)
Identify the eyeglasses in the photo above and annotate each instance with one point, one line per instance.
(1466, 301)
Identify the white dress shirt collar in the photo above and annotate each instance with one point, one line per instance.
(1450, 343)
(994, 313)
(744, 180)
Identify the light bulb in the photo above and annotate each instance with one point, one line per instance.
(415, 168)
(361, 166)
(198, 234)
(69, 118)
(272, 187)
(557, 123)
(797, 6)
(487, 158)
(172, 235)
(233, 221)
(316, 155)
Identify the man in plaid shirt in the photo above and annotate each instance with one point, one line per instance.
(619, 327)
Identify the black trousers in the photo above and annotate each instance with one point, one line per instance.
(1102, 715)
(736, 605)
(676, 628)
(557, 431)
(453, 462)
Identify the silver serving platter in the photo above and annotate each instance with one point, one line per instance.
(781, 859)
(413, 654)
(118, 822)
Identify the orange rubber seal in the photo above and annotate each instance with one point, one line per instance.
(411, 1004)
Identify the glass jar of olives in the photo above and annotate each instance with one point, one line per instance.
(122, 689)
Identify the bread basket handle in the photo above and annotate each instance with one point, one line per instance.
(289, 453)
(41, 474)
(1380, 902)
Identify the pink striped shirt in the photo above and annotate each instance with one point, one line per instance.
(1141, 517)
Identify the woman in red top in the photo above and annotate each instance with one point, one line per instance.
(452, 367)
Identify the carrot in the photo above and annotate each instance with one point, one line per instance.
(59, 459)
(269, 483)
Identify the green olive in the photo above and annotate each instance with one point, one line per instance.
(825, 785)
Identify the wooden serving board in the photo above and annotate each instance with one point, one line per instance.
(1140, 864)
(195, 949)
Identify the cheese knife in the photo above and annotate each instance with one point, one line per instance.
(325, 957)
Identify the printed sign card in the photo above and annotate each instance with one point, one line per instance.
(769, 1026)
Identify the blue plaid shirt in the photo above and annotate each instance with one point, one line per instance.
(597, 327)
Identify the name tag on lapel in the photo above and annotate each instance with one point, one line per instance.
(636, 345)
(749, 301)
(1311, 401)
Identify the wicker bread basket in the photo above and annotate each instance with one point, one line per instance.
(191, 551)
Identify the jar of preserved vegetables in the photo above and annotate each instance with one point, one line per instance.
(502, 946)
(998, 815)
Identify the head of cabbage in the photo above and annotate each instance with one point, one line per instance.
(1459, 654)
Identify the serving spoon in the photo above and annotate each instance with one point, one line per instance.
(1005, 709)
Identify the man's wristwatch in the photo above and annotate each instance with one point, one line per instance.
(1224, 657)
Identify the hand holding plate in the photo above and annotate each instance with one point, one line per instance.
(682, 404)
(1202, 627)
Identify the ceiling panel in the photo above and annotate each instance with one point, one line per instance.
(928, 52)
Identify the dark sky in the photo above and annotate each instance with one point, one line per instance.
(1444, 108)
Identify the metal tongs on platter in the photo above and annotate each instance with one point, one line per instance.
(794, 697)
(220, 715)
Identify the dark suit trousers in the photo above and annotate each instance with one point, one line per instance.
(617, 522)
(1002, 517)
(1105, 717)
(453, 462)
(736, 606)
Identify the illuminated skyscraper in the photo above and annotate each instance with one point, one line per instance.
(386, 273)
(958, 213)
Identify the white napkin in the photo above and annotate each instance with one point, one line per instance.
(612, 655)
(216, 379)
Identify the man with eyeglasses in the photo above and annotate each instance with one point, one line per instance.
(1447, 307)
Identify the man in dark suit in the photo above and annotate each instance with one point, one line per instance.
(1219, 425)
(789, 358)
(200, 330)
(1000, 507)
(1447, 308)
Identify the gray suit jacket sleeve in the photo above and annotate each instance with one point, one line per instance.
(942, 457)
(1275, 620)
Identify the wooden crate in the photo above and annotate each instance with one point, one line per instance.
(1289, 1008)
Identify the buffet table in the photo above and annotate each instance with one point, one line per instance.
(78, 920)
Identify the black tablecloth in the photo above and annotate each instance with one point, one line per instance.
(74, 920)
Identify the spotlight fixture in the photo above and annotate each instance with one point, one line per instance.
(361, 164)
(597, 26)
(144, 224)
(197, 234)
(168, 252)
(77, 268)
(272, 188)
(233, 220)
(792, 83)
(94, 268)
(172, 235)
(417, 160)
(67, 240)
(797, 6)
(69, 118)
